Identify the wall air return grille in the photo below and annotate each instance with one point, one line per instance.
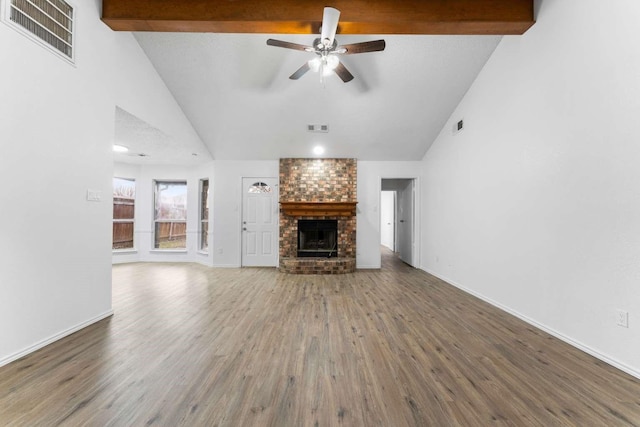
(49, 22)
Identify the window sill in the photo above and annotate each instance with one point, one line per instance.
(168, 251)
(203, 253)
(124, 251)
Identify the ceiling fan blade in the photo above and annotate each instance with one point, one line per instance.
(372, 46)
(329, 24)
(300, 71)
(289, 45)
(343, 73)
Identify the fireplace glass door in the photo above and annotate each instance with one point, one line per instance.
(317, 238)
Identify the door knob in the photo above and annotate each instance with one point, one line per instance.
(244, 228)
(402, 220)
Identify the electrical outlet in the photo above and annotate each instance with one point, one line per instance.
(622, 317)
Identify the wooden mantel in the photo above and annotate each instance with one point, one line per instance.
(318, 208)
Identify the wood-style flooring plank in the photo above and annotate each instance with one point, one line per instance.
(195, 346)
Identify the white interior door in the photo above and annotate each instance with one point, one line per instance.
(260, 222)
(406, 198)
(387, 219)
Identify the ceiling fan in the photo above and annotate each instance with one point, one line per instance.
(327, 50)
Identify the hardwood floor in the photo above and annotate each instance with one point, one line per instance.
(195, 346)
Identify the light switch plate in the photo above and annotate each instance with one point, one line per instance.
(94, 195)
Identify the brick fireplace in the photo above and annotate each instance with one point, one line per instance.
(317, 190)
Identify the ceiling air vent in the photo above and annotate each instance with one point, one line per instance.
(318, 128)
(49, 22)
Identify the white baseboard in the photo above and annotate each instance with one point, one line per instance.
(577, 344)
(56, 337)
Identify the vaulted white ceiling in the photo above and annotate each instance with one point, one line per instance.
(236, 92)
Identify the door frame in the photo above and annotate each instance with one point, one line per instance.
(415, 253)
(242, 211)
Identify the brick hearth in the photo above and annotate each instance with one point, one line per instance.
(318, 181)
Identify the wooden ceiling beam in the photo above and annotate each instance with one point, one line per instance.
(305, 16)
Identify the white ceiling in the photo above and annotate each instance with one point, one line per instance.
(236, 92)
(149, 145)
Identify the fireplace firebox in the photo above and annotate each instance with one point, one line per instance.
(317, 238)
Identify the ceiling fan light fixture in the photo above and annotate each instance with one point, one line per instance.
(326, 64)
(327, 50)
(332, 62)
(315, 64)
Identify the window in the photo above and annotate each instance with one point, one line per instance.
(48, 22)
(124, 203)
(204, 215)
(259, 187)
(170, 228)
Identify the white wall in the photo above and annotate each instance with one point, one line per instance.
(370, 174)
(57, 130)
(56, 139)
(534, 205)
